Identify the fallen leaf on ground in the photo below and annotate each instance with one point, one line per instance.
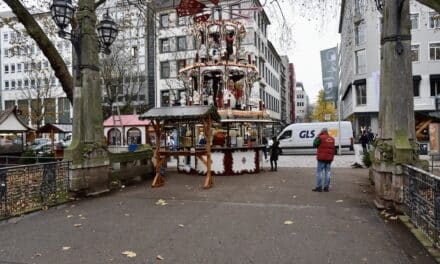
(83, 218)
(129, 254)
(127, 214)
(38, 254)
(294, 197)
(339, 201)
(393, 217)
(288, 222)
(271, 187)
(181, 225)
(66, 248)
(161, 202)
(77, 225)
(69, 216)
(159, 257)
(364, 259)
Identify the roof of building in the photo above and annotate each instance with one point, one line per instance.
(56, 128)
(181, 113)
(125, 120)
(10, 122)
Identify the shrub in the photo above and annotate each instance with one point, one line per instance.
(28, 157)
(366, 159)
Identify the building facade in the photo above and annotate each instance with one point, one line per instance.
(360, 62)
(176, 48)
(26, 78)
(301, 103)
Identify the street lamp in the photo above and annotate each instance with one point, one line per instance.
(62, 13)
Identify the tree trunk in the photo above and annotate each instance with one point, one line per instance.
(396, 116)
(45, 44)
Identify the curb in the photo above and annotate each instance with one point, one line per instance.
(421, 237)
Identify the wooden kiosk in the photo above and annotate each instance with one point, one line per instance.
(186, 115)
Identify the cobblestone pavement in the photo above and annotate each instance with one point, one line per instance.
(270, 217)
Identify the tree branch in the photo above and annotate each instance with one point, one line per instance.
(45, 44)
(433, 4)
(100, 2)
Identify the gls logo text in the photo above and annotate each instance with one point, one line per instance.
(307, 134)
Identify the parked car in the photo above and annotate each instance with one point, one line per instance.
(39, 142)
(43, 148)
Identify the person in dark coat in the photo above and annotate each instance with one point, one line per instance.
(274, 152)
(364, 139)
(325, 154)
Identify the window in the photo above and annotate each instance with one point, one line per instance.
(12, 68)
(63, 111)
(6, 85)
(5, 37)
(134, 52)
(361, 66)
(165, 69)
(414, 18)
(13, 85)
(235, 11)
(19, 84)
(434, 20)
(134, 136)
(6, 52)
(19, 67)
(114, 136)
(181, 21)
(46, 64)
(181, 43)
(359, 33)
(416, 85)
(33, 83)
(180, 65)
(26, 83)
(165, 45)
(435, 85)
(361, 93)
(26, 67)
(358, 7)
(287, 134)
(434, 51)
(165, 98)
(415, 52)
(164, 21)
(6, 68)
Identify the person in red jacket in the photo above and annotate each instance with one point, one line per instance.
(326, 151)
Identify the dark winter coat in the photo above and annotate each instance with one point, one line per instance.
(275, 150)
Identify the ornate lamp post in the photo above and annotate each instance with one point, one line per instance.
(90, 162)
(396, 142)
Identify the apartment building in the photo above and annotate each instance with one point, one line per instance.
(360, 62)
(26, 78)
(176, 49)
(285, 91)
(301, 103)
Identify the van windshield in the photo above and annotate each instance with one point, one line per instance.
(286, 134)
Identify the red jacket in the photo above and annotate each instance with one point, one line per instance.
(326, 148)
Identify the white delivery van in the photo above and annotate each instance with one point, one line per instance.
(299, 137)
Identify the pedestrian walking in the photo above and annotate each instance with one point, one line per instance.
(265, 143)
(364, 141)
(325, 154)
(371, 138)
(274, 152)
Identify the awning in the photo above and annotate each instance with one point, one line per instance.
(360, 81)
(434, 77)
(417, 78)
(181, 113)
(55, 128)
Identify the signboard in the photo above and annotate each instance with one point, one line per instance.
(327, 117)
(330, 73)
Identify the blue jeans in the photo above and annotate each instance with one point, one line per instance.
(323, 166)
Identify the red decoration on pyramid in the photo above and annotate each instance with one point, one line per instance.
(215, 2)
(189, 8)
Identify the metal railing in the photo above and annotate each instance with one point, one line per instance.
(422, 201)
(27, 188)
(8, 161)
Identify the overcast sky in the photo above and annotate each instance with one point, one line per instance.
(311, 32)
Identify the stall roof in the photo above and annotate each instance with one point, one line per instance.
(126, 120)
(181, 113)
(10, 122)
(56, 128)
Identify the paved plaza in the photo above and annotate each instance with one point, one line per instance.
(271, 217)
